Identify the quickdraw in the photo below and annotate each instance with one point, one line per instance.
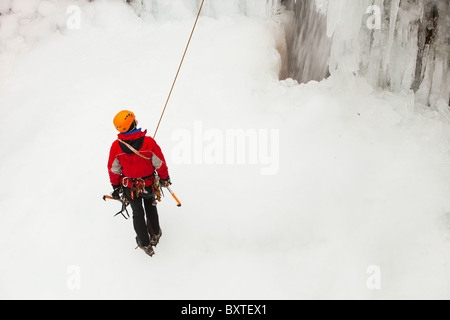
(157, 189)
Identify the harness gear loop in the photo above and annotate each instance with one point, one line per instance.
(137, 185)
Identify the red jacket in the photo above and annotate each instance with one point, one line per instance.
(125, 163)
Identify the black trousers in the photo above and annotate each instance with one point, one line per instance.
(145, 217)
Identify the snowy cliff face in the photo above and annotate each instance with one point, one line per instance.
(400, 45)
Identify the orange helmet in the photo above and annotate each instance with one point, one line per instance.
(123, 120)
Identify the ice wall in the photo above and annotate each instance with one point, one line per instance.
(400, 45)
(211, 8)
(307, 41)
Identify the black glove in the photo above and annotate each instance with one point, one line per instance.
(165, 182)
(116, 192)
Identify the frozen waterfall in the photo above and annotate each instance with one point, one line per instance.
(330, 189)
(399, 45)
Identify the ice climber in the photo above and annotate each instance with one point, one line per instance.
(133, 160)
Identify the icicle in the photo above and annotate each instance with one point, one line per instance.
(392, 24)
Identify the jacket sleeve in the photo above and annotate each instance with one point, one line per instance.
(158, 161)
(114, 166)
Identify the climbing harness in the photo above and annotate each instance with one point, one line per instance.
(137, 186)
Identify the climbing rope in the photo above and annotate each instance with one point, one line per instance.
(179, 68)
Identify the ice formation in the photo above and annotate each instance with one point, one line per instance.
(363, 173)
(398, 45)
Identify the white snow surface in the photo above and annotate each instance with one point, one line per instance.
(362, 179)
